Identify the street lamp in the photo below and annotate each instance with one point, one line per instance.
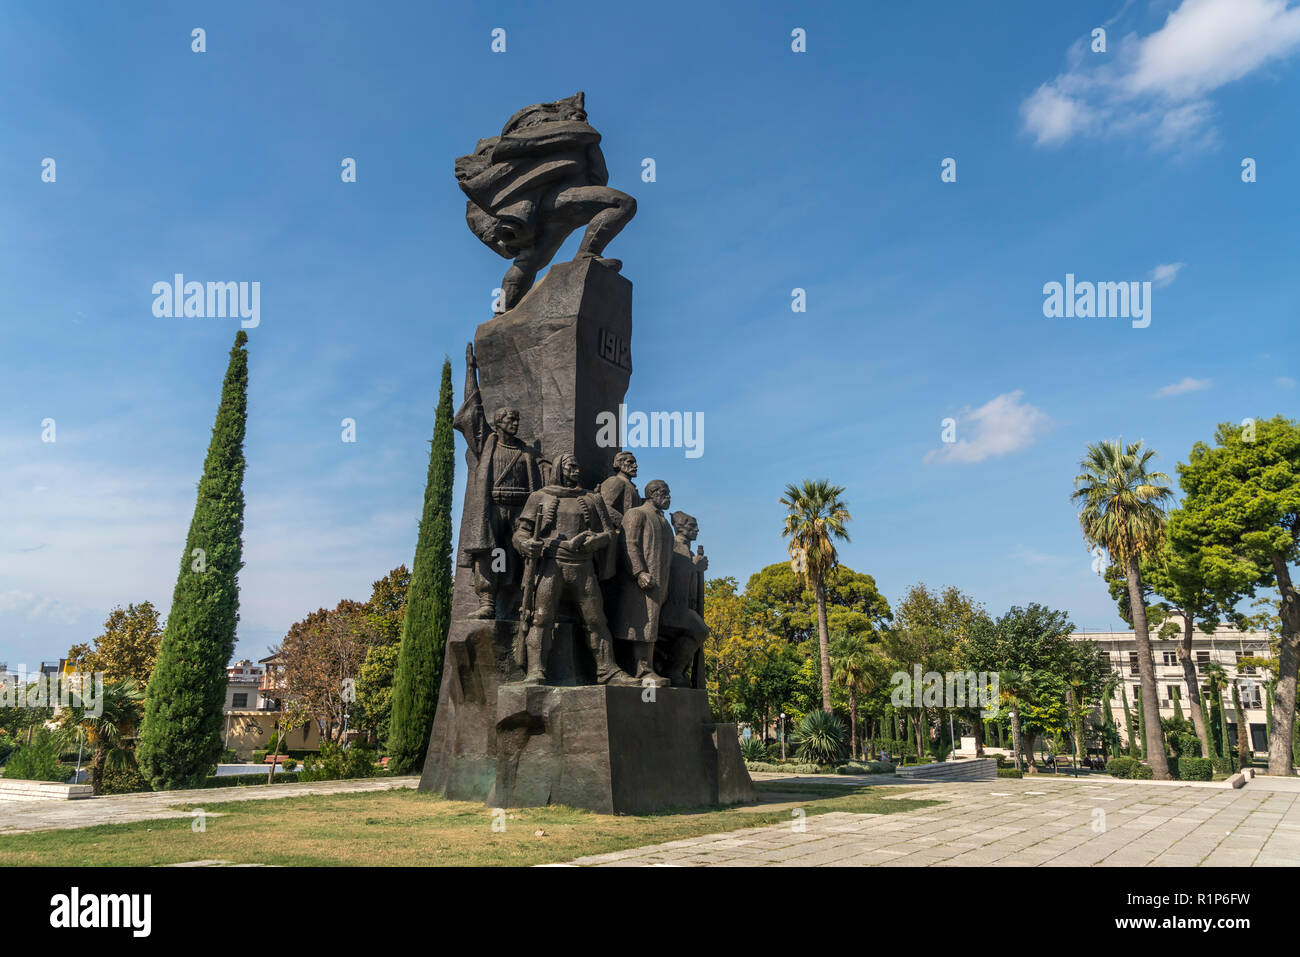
(781, 734)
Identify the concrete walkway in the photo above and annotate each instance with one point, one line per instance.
(23, 817)
(1016, 822)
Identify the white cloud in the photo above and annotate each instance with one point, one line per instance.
(1286, 382)
(1182, 387)
(1164, 274)
(1158, 86)
(1001, 426)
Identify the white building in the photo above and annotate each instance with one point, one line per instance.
(1226, 647)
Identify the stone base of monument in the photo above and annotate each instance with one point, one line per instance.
(615, 750)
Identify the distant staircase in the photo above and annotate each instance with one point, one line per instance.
(975, 769)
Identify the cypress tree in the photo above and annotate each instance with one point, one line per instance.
(1178, 710)
(428, 602)
(1108, 734)
(180, 736)
(1128, 723)
(1141, 723)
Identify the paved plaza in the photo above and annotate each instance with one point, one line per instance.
(1046, 820)
(1031, 822)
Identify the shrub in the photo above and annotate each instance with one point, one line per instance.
(124, 778)
(1010, 773)
(1185, 745)
(331, 763)
(38, 761)
(6, 747)
(1143, 772)
(1122, 767)
(259, 756)
(289, 764)
(819, 738)
(1195, 769)
(752, 749)
(228, 756)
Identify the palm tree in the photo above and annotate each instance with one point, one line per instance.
(1122, 510)
(853, 661)
(816, 519)
(1012, 687)
(108, 733)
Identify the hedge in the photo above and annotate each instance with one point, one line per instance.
(865, 767)
(246, 780)
(784, 768)
(1195, 769)
(1010, 773)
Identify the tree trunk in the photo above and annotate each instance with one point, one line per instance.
(97, 765)
(1027, 742)
(853, 723)
(1015, 735)
(1076, 722)
(1153, 737)
(1193, 686)
(1280, 754)
(921, 734)
(824, 643)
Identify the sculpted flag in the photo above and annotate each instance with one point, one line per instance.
(530, 187)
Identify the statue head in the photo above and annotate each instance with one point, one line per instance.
(567, 471)
(625, 462)
(656, 491)
(570, 108)
(506, 420)
(686, 526)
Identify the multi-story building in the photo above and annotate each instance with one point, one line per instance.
(1225, 647)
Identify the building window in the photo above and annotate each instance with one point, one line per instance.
(239, 700)
(1246, 669)
(1202, 659)
(1170, 658)
(1133, 663)
(1250, 695)
(1174, 692)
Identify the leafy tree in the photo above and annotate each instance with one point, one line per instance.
(1216, 679)
(1242, 514)
(127, 648)
(375, 690)
(854, 607)
(387, 605)
(1030, 648)
(180, 738)
(1121, 509)
(322, 656)
(816, 518)
(428, 611)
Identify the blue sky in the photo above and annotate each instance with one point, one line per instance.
(775, 170)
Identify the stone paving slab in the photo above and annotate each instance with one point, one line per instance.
(24, 817)
(1071, 823)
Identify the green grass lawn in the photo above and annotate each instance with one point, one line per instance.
(407, 828)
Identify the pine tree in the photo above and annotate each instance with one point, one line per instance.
(180, 737)
(428, 603)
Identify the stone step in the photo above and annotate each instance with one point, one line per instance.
(43, 790)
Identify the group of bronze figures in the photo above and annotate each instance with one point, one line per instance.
(533, 534)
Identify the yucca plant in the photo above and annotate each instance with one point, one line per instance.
(752, 749)
(819, 738)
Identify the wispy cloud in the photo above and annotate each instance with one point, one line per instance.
(1164, 274)
(1003, 425)
(1159, 86)
(1286, 382)
(1182, 387)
